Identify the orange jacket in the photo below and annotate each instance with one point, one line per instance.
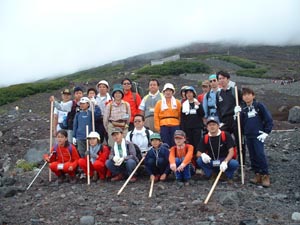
(187, 152)
(134, 100)
(168, 117)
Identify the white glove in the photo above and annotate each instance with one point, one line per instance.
(119, 162)
(223, 166)
(93, 101)
(74, 141)
(205, 158)
(116, 159)
(237, 109)
(262, 136)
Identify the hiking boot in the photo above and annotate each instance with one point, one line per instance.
(117, 177)
(265, 179)
(95, 176)
(257, 179)
(133, 179)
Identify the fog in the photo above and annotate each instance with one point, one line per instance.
(40, 39)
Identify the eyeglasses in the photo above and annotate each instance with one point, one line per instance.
(127, 83)
(214, 80)
(137, 121)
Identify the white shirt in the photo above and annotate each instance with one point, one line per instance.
(139, 137)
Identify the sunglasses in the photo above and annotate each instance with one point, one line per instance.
(214, 80)
(126, 83)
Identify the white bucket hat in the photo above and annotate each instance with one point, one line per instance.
(102, 82)
(94, 134)
(169, 86)
(84, 100)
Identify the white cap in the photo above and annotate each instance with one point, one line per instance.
(84, 100)
(169, 86)
(103, 82)
(94, 134)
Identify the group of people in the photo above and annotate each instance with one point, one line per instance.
(117, 131)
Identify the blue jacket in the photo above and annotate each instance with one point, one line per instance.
(256, 118)
(163, 152)
(83, 118)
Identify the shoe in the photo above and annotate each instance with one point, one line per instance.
(163, 177)
(117, 177)
(95, 176)
(229, 181)
(82, 176)
(265, 179)
(133, 179)
(73, 180)
(257, 179)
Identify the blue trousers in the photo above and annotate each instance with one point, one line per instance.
(186, 174)
(167, 134)
(156, 168)
(257, 156)
(208, 168)
(125, 168)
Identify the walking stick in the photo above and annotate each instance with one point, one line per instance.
(131, 175)
(240, 135)
(93, 116)
(213, 187)
(151, 188)
(88, 156)
(51, 131)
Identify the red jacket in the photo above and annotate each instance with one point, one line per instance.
(63, 155)
(134, 100)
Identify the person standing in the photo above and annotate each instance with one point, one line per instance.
(133, 98)
(257, 124)
(217, 153)
(148, 103)
(167, 115)
(205, 88)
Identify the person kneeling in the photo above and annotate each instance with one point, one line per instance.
(122, 159)
(216, 154)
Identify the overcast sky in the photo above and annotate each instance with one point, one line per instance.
(45, 38)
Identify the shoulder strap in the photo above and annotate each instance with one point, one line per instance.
(223, 136)
(205, 138)
(148, 136)
(130, 135)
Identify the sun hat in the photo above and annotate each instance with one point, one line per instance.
(94, 134)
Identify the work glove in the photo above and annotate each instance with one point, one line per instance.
(119, 161)
(223, 166)
(93, 101)
(205, 158)
(262, 136)
(74, 141)
(237, 110)
(116, 159)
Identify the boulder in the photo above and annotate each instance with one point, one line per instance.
(294, 115)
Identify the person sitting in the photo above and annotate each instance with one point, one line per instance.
(63, 158)
(122, 159)
(157, 159)
(98, 154)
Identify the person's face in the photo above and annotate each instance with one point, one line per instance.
(84, 106)
(179, 141)
(205, 88)
(189, 95)
(91, 94)
(214, 83)
(138, 122)
(93, 141)
(65, 97)
(183, 96)
(78, 95)
(248, 98)
(223, 81)
(61, 139)
(117, 95)
(168, 93)
(126, 85)
(155, 143)
(117, 137)
(102, 89)
(153, 87)
(212, 127)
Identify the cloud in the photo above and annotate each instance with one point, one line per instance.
(46, 38)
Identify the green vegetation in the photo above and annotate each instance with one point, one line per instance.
(15, 92)
(175, 68)
(244, 63)
(258, 72)
(26, 166)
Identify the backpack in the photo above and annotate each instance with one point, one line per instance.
(138, 151)
(69, 147)
(223, 139)
(136, 88)
(147, 134)
(64, 124)
(71, 115)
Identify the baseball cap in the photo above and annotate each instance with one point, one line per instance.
(94, 134)
(179, 133)
(155, 136)
(213, 119)
(66, 91)
(116, 130)
(84, 100)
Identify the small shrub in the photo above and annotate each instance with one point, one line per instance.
(26, 166)
(258, 73)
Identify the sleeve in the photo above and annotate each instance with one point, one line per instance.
(172, 156)
(156, 116)
(166, 156)
(104, 154)
(127, 138)
(204, 105)
(142, 105)
(75, 157)
(97, 112)
(189, 155)
(200, 111)
(129, 111)
(201, 146)
(138, 102)
(106, 115)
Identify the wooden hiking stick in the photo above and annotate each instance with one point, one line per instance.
(88, 156)
(213, 187)
(51, 131)
(240, 134)
(131, 175)
(151, 188)
(93, 116)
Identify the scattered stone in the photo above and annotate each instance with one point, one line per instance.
(159, 221)
(294, 115)
(296, 216)
(87, 220)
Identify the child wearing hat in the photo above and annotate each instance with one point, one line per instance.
(98, 155)
(180, 158)
(157, 159)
